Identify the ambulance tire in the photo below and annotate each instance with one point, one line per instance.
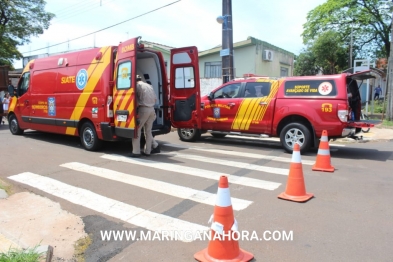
(14, 125)
(89, 138)
(189, 134)
(295, 132)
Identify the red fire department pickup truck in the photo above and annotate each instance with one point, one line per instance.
(295, 109)
(91, 93)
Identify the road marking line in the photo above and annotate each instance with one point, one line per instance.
(336, 145)
(125, 212)
(273, 170)
(154, 185)
(244, 181)
(243, 154)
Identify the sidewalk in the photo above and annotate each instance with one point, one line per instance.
(375, 134)
(29, 220)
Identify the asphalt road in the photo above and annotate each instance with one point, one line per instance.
(349, 219)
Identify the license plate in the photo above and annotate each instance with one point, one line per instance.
(121, 118)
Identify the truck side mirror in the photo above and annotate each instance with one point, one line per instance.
(210, 96)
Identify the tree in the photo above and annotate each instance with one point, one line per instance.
(19, 20)
(326, 54)
(305, 64)
(370, 21)
(329, 53)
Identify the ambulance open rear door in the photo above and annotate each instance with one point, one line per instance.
(185, 98)
(124, 102)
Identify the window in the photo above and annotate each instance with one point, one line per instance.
(257, 89)
(228, 91)
(213, 69)
(24, 83)
(284, 71)
(124, 76)
(184, 77)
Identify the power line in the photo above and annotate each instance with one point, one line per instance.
(104, 28)
(77, 10)
(74, 6)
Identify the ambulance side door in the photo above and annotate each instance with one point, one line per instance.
(258, 116)
(24, 104)
(124, 89)
(223, 106)
(185, 99)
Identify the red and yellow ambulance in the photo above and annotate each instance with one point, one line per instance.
(91, 93)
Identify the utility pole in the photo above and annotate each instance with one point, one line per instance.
(389, 96)
(350, 49)
(227, 41)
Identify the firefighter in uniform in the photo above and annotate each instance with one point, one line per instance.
(146, 99)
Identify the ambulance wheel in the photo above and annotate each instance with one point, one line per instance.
(189, 134)
(295, 132)
(14, 125)
(89, 138)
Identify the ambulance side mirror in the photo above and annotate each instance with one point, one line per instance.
(210, 96)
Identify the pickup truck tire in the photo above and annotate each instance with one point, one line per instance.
(216, 135)
(14, 125)
(295, 132)
(89, 138)
(189, 134)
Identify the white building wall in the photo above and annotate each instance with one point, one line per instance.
(208, 84)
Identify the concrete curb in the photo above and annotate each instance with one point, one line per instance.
(47, 250)
(7, 244)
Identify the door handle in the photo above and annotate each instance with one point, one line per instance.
(231, 104)
(26, 102)
(262, 103)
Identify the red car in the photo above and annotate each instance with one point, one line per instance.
(295, 109)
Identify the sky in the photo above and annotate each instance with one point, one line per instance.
(175, 23)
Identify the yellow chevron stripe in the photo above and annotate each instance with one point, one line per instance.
(262, 109)
(249, 109)
(130, 107)
(118, 96)
(250, 113)
(272, 94)
(98, 69)
(13, 102)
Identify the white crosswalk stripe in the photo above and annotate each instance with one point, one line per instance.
(274, 170)
(125, 212)
(245, 181)
(242, 154)
(148, 219)
(158, 186)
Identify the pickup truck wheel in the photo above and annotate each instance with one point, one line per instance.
(189, 134)
(89, 138)
(295, 132)
(216, 135)
(14, 125)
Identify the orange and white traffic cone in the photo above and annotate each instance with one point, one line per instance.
(223, 246)
(323, 158)
(296, 189)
